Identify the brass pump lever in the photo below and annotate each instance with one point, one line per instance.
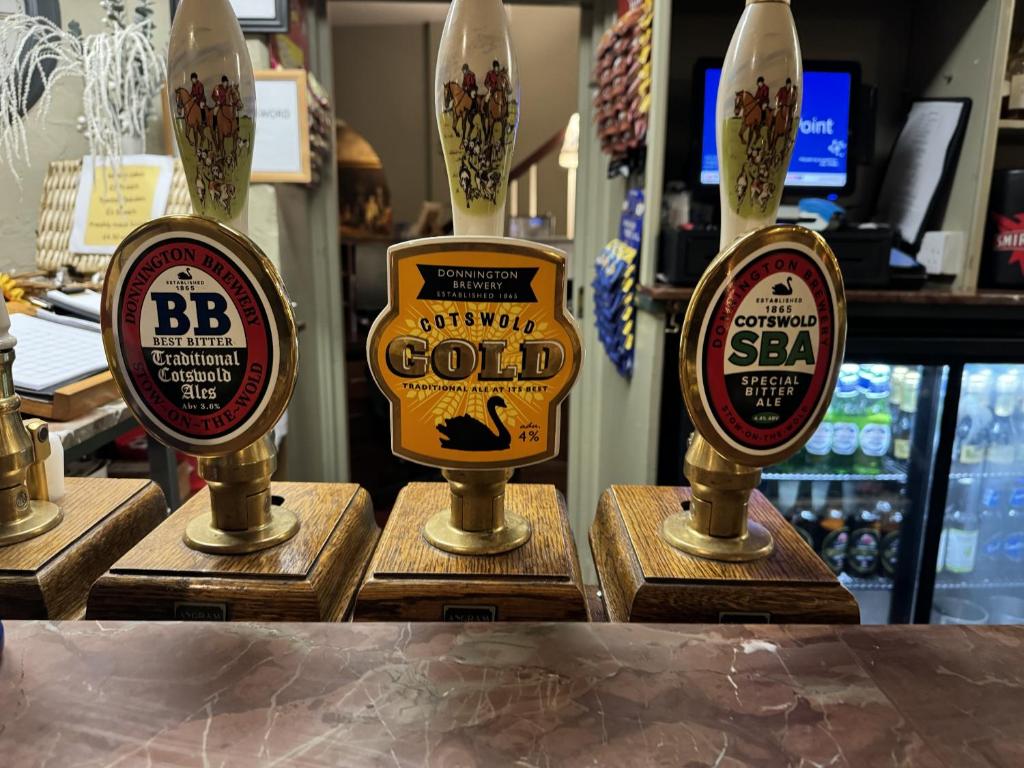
(25, 508)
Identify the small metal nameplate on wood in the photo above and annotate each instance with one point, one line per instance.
(470, 613)
(200, 611)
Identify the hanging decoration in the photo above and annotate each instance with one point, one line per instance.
(622, 74)
(615, 285)
(121, 69)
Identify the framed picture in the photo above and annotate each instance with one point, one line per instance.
(259, 16)
(281, 149)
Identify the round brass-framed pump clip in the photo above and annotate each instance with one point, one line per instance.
(761, 346)
(201, 340)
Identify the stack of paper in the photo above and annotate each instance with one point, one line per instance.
(51, 354)
(85, 304)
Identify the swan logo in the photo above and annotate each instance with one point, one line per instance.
(767, 348)
(475, 352)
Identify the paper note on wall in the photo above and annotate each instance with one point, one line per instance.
(112, 202)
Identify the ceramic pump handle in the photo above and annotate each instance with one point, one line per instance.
(213, 106)
(476, 100)
(7, 339)
(758, 116)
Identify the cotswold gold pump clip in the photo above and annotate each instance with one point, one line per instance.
(475, 353)
(198, 330)
(476, 350)
(765, 330)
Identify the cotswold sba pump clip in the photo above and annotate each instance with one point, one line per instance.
(765, 330)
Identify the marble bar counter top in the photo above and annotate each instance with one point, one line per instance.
(149, 694)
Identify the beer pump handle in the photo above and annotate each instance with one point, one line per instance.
(212, 97)
(757, 116)
(476, 100)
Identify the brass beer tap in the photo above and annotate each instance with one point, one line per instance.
(25, 507)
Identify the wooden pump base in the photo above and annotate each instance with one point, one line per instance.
(48, 576)
(645, 579)
(310, 577)
(411, 580)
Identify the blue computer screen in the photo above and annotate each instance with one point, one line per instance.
(820, 154)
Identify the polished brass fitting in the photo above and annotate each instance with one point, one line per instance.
(716, 524)
(242, 517)
(25, 508)
(476, 521)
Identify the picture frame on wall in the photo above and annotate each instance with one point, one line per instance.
(280, 153)
(256, 16)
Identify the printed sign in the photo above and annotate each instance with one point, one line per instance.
(199, 334)
(111, 202)
(764, 340)
(475, 351)
(281, 147)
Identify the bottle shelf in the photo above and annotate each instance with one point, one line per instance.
(893, 472)
(872, 584)
(986, 584)
(986, 475)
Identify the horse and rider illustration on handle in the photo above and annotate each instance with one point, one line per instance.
(759, 137)
(211, 96)
(482, 122)
(213, 132)
(476, 103)
(210, 123)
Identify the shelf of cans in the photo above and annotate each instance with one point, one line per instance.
(865, 437)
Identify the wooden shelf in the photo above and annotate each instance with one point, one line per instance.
(927, 295)
(1011, 125)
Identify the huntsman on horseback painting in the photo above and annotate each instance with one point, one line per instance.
(215, 135)
(757, 138)
(478, 128)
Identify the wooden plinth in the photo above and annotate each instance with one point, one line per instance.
(49, 576)
(310, 577)
(645, 579)
(410, 580)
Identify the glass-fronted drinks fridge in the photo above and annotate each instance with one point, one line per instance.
(912, 491)
(853, 493)
(979, 562)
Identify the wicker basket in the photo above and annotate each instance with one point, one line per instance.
(57, 209)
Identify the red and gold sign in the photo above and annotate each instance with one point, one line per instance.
(199, 334)
(762, 344)
(475, 351)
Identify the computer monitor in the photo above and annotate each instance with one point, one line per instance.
(821, 161)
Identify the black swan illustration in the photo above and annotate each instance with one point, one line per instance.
(464, 433)
(186, 274)
(780, 289)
